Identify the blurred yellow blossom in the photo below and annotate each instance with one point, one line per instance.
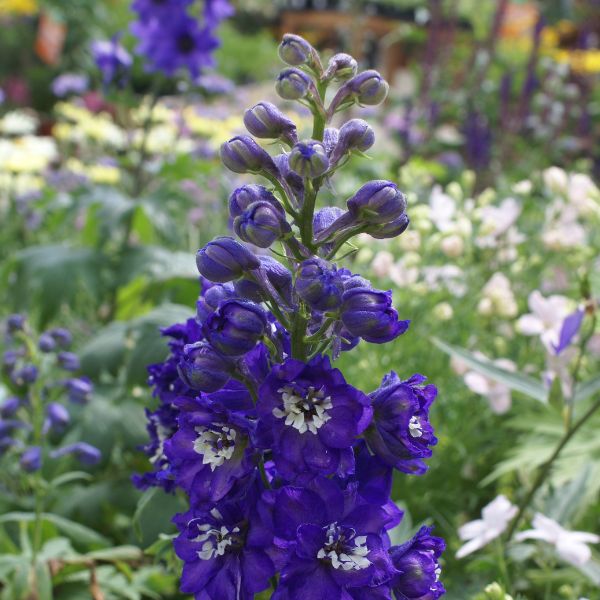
(18, 7)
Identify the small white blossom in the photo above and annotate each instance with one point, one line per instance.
(545, 319)
(571, 546)
(495, 518)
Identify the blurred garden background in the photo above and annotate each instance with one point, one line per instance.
(110, 181)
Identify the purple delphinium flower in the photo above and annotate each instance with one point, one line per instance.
(211, 452)
(570, 328)
(418, 568)
(310, 417)
(161, 10)
(113, 61)
(176, 44)
(31, 459)
(224, 549)
(369, 314)
(70, 83)
(85, 453)
(400, 433)
(335, 542)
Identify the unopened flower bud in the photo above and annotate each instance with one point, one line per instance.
(309, 159)
(202, 368)
(292, 84)
(377, 202)
(61, 336)
(224, 260)
(369, 87)
(25, 375)
(389, 230)
(355, 134)
(366, 88)
(319, 284)
(9, 407)
(85, 453)
(242, 197)
(57, 416)
(31, 459)
(260, 224)
(341, 67)
(235, 327)
(295, 50)
(79, 390)
(46, 343)
(15, 323)
(276, 274)
(369, 314)
(209, 301)
(265, 120)
(241, 154)
(68, 361)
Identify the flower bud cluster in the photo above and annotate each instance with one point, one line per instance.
(37, 371)
(287, 466)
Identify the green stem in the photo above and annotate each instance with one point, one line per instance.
(298, 332)
(575, 374)
(502, 568)
(308, 210)
(315, 337)
(320, 117)
(285, 200)
(343, 239)
(547, 466)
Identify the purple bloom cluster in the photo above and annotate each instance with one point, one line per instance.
(288, 467)
(31, 425)
(172, 39)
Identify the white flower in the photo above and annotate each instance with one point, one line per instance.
(495, 518)
(452, 246)
(523, 187)
(497, 394)
(583, 194)
(545, 319)
(556, 180)
(570, 545)
(443, 209)
(443, 311)
(497, 297)
(383, 263)
(496, 221)
(18, 123)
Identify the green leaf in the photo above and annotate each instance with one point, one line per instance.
(76, 532)
(105, 350)
(43, 581)
(70, 477)
(515, 381)
(587, 388)
(55, 274)
(143, 502)
(555, 398)
(116, 554)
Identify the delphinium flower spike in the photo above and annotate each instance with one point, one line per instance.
(286, 465)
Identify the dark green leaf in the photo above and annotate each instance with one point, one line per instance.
(515, 381)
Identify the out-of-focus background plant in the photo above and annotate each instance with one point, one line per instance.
(110, 181)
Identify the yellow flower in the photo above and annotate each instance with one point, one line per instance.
(104, 174)
(19, 7)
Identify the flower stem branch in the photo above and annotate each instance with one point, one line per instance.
(547, 466)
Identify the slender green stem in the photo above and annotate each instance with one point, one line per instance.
(308, 210)
(285, 200)
(575, 374)
(547, 466)
(298, 332)
(502, 568)
(315, 337)
(343, 239)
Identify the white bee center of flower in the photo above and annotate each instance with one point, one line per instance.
(414, 427)
(344, 549)
(214, 541)
(216, 445)
(304, 413)
(438, 573)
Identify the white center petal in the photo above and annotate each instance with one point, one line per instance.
(414, 427)
(306, 412)
(345, 550)
(215, 444)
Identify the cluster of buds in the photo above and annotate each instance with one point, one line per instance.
(39, 371)
(288, 467)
